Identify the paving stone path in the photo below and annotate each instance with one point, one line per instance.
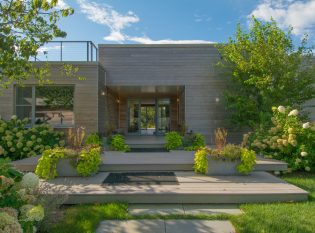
(165, 226)
(183, 209)
(172, 226)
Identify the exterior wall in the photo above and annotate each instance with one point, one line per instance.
(111, 112)
(192, 66)
(101, 100)
(174, 114)
(181, 103)
(86, 105)
(123, 115)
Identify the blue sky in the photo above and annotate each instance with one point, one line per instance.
(180, 21)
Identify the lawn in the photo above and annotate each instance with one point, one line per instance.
(260, 218)
(281, 217)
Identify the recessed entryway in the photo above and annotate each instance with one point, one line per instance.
(148, 116)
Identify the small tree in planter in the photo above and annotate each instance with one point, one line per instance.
(227, 160)
(78, 160)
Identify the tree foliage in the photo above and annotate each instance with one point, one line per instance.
(25, 25)
(266, 70)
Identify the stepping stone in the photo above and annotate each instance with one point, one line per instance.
(193, 209)
(131, 226)
(198, 226)
(155, 209)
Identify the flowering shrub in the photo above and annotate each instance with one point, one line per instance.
(19, 208)
(289, 139)
(17, 141)
(87, 161)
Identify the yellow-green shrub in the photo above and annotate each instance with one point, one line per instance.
(118, 143)
(87, 161)
(230, 152)
(173, 140)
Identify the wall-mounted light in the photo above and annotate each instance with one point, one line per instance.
(103, 93)
(118, 101)
(177, 99)
(217, 100)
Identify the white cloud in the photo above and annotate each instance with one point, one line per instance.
(117, 22)
(45, 49)
(106, 15)
(298, 14)
(202, 18)
(61, 4)
(147, 40)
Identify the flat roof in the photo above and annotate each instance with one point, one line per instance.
(158, 45)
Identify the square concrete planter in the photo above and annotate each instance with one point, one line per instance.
(220, 167)
(66, 167)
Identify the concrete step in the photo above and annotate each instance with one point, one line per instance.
(148, 146)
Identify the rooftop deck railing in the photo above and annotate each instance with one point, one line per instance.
(67, 51)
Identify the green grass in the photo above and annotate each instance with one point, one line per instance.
(85, 218)
(258, 218)
(281, 217)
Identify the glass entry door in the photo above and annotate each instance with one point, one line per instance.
(133, 116)
(163, 115)
(148, 116)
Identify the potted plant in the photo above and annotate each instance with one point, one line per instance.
(77, 160)
(227, 159)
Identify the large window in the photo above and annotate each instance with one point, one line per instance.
(46, 104)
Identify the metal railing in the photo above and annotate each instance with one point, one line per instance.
(67, 51)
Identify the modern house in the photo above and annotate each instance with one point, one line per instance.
(134, 89)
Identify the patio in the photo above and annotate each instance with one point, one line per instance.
(192, 188)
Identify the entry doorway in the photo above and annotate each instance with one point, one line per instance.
(148, 116)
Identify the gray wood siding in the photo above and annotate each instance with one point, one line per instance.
(192, 66)
(85, 96)
(101, 100)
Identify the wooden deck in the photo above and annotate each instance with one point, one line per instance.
(145, 141)
(157, 161)
(192, 188)
(169, 161)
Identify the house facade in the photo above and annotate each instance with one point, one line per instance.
(132, 89)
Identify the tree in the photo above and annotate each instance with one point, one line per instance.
(25, 25)
(266, 70)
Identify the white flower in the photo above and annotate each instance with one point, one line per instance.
(307, 169)
(30, 180)
(297, 161)
(35, 214)
(303, 154)
(281, 109)
(293, 113)
(306, 125)
(13, 117)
